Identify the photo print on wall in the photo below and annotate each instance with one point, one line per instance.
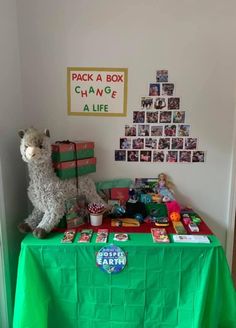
(159, 131)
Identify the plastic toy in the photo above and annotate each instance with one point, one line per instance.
(175, 216)
(164, 187)
(162, 221)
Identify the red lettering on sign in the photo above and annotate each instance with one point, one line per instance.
(99, 92)
(114, 93)
(99, 78)
(114, 78)
(82, 77)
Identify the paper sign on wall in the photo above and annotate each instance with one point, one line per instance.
(97, 91)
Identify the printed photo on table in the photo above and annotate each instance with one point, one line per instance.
(164, 143)
(151, 143)
(198, 156)
(157, 130)
(172, 156)
(165, 117)
(162, 75)
(159, 103)
(143, 130)
(191, 143)
(173, 103)
(158, 156)
(152, 117)
(146, 103)
(130, 131)
(145, 156)
(178, 117)
(168, 89)
(125, 143)
(177, 143)
(133, 156)
(138, 143)
(120, 155)
(138, 117)
(185, 156)
(154, 89)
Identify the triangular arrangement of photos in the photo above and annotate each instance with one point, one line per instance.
(159, 132)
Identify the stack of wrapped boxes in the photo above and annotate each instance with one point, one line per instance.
(72, 159)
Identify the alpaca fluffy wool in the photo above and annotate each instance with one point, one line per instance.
(46, 191)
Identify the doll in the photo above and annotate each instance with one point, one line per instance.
(164, 187)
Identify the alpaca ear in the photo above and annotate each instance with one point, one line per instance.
(47, 133)
(21, 133)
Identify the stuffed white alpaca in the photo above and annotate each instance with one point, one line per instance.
(46, 191)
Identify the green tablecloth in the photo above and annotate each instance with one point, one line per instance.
(163, 285)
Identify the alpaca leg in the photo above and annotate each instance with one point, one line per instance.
(31, 222)
(50, 219)
(87, 188)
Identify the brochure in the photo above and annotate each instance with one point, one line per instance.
(191, 239)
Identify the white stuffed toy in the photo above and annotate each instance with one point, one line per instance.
(46, 191)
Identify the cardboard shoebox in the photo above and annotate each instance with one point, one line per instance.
(68, 151)
(65, 170)
(121, 194)
(72, 169)
(84, 149)
(85, 166)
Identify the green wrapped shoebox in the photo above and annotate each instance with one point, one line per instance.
(86, 166)
(84, 149)
(65, 170)
(69, 151)
(62, 152)
(157, 210)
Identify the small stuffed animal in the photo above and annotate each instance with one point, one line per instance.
(46, 191)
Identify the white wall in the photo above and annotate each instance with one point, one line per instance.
(12, 170)
(194, 40)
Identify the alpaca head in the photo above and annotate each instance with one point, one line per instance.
(35, 145)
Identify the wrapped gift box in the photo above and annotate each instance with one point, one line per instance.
(121, 194)
(62, 152)
(84, 149)
(65, 170)
(85, 166)
(68, 151)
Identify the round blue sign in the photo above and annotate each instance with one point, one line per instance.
(111, 259)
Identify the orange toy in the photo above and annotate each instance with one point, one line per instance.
(175, 216)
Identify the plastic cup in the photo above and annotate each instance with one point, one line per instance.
(96, 219)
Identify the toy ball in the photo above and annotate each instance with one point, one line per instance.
(175, 216)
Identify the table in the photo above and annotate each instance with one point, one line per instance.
(163, 285)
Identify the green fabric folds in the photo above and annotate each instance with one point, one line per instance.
(163, 285)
